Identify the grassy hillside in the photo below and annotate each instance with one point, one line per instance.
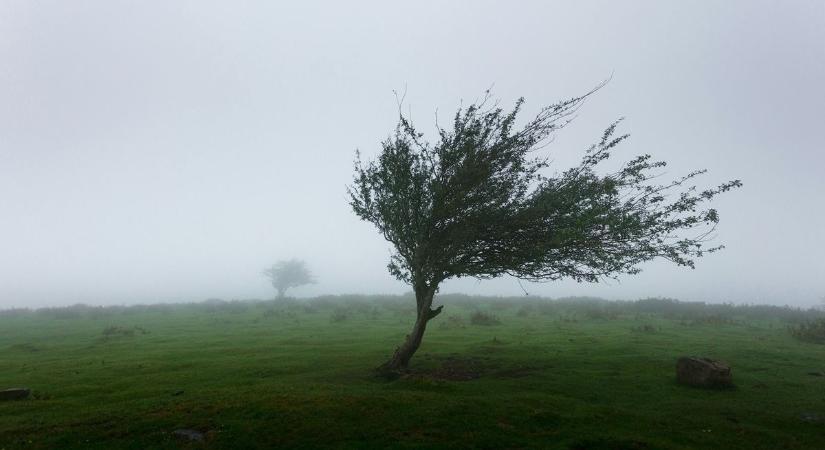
(575, 373)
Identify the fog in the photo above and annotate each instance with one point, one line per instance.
(171, 151)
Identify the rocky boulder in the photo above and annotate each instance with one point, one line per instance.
(703, 372)
(15, 394)
(189, 435)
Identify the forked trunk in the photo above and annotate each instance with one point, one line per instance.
(401, 358)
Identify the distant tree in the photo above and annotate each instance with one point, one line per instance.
(477, 204)
(288, 274)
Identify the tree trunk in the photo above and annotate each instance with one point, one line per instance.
(401, 358)
(281, 293)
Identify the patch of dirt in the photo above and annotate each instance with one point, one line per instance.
(610, 444)
(458, 368)
(186, 434)
(453, 368)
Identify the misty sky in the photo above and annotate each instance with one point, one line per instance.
(170, 151)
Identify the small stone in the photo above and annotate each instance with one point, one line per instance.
(188, 435)
(177, 393)
(15, 394)
(703, 372)
(811, 417)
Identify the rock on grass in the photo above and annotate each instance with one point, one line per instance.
(186, 434)
(15, 394)
(703, 372)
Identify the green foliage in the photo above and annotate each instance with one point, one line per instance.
(288, 274)
(810, 331)
(339, 315)
(477, 203)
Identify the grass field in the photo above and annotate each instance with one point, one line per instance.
(568, 374)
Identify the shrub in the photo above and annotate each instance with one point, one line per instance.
(217, 306)
(812, 331)
(453, 321)
(77, 311)
(600, 314)
(715, 319)
(14, 312)
(482, 318)
(646, 328)
(115, 331)
(281, 313)
(373, 313)
(524, 311)
(547, 308)
(501, 305)
(339, 315)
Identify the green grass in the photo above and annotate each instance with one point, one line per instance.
(574, 374)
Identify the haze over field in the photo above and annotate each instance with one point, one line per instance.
(172, 151)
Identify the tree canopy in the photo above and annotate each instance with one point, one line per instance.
(288, 274)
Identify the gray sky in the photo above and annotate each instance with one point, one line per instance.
(169, 151)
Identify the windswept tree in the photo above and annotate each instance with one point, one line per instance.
(477, 203)
(288, 274)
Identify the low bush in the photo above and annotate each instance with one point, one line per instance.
(485, 319)
(646, 328)
(115, 331)
(715, 319)
(811, 331)
(339, 315)
(453, 321)
(600, 314)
